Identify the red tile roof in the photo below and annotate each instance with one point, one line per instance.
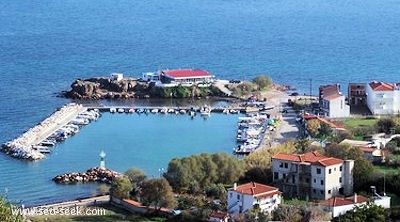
(186, 73)
(313, 158)
(341, 201)
(257, 190)
(381, 86)
(132, 202)
(332, 96)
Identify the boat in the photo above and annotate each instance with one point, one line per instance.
(205, 111)
(131, 110)
(182, 111)
(41, 149)
(48, 143)
(113, 110)
(154, 111)
(121, 110)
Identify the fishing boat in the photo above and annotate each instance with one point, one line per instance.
(205, 111)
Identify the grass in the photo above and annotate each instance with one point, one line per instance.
(111, 214)
(353, 123)
(385, 169)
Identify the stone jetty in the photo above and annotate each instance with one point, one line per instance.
(22, 146)
(95, 174)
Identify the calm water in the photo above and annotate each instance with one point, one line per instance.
(45, 45)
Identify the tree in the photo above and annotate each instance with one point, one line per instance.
(257, 174)
(365, 212)
(385, 125)
(325, 130)
(158, 193)
(313, 126)
(121, 187)
(262, 82)
(7, 212)
(135, 175)
(362, 167)
(302, 145)
(287, 212)
(196, 172)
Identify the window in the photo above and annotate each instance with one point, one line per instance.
(314, 191)
(307, 180)
(293, 179)
(286, 165)
(334, 169)
(340, 168)
(315, 180)
(280, 164)
(276, 175)
(329, 191)
(238, 196)
(230, 195)
(340, 179)
(318, 171)
(330, 171)
(322, 182)
(284, 175)
(321, 192)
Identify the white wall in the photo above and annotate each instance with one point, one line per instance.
(338, 108)
(380, 102)
(333, 180)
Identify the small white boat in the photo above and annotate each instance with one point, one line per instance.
(113, 110)
(131, 110)
(41, 149)
(205, 111)
(164, 110)
(154, 111)
(121, 110)
(182, 111)
(47, 143)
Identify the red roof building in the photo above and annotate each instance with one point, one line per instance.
(185, 77)
(242, 198)
(381, 86)
(312, 175)
(332, 103)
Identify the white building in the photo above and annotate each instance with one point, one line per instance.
(243, 198)
(312, 175)
(332, 102)
(340, 205)
(116, 76)
(383, 98)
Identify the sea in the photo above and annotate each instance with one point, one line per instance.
(45, 45)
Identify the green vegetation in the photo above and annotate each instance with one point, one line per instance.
(6, 214)
(195, 173)
(262, 82)
(183, 92)
(157, 193)
(365, 212)
(353, 123)
(385, 169)
(111, 214)
(362, 167)
(121, 187)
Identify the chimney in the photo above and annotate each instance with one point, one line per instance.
(355, 197)
(234, 186)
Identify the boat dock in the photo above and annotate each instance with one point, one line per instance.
(67, 120)
(128, 109)
(22, 146)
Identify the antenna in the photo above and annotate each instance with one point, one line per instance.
(384, 184)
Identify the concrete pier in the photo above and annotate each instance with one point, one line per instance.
(21, 147)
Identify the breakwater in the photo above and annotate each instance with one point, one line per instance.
(95, 174)
(25, 146)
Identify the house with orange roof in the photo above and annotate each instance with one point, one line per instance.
(216, 216)
(332, 103)
(312, 175)
(340, 205)
(183, 77)
(383, 98)
(246, 196)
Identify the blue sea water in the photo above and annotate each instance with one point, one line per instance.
(45, 45)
